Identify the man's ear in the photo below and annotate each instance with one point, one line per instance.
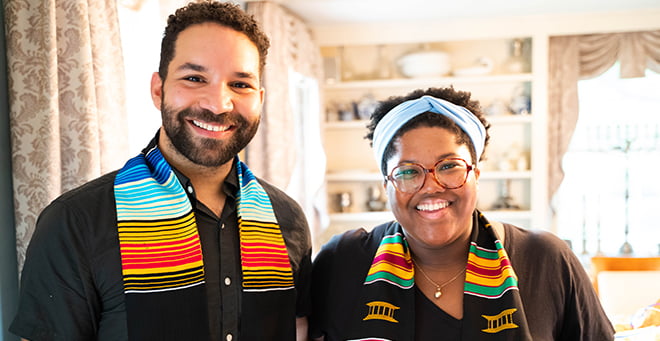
(156, 90)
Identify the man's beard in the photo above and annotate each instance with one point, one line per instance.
(206, 151)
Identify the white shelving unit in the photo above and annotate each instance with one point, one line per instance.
(352, 168)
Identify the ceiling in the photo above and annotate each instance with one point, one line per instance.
(329, 12)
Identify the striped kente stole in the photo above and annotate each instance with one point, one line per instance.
(161, 254)
(392, 263)
(492, 308)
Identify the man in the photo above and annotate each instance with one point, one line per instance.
(182, 243)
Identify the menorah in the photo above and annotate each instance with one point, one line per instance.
(627, 139)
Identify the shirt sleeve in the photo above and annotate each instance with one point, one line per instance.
(54, 302)
(584, 317)
(559, 298)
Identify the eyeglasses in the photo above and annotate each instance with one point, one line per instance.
(449, 173)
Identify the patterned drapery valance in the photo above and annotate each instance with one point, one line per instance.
(572, 58)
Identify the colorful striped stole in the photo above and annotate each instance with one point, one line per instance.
(159, 244)
(392, 263)
(264, 258)
(492, 308)
(489, 273)
(158, 240)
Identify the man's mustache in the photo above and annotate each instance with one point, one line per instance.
(210, 117)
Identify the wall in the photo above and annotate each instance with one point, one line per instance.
(8, 267)
(487, 28)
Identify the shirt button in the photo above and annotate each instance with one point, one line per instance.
(227, 281)
(222, 226)
(190, 189)
(229, 337)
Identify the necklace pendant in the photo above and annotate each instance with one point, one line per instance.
(438, 293)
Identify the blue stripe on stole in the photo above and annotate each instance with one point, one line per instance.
(257, 202)
(137, 169)
(161, 168)
(246, 173)
(147, 188)
(149, 199)
(136, 172)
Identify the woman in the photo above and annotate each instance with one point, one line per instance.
(442, 271)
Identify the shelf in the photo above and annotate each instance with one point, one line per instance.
(353, 176)
(510, 119)
(427, 82)
(362, 124)
(506, 215)
(503, 175)
(368, 176)
(350, 164)
(375, 217)
(355, 124)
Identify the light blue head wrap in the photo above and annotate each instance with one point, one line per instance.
(404, 112)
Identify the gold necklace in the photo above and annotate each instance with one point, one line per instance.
(438, 288)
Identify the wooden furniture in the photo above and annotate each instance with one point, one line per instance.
(599, 264)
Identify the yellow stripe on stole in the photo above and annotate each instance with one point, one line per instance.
(144, 224)
(268, 239)
(261, 268)
(260, 225)
(486, 263)
(176, 240)
(162, 230)
(150, 286)
(490, 281)
(165, 280)
(166, 276)
(395, 270)
(161, 270)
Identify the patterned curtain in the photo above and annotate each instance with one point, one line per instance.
(66, 100)
(572, 58)
(282, 149)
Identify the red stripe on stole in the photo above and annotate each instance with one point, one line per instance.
(151, 252)
(143, 257)
(159, 264)
(489, 272)
(257, 256)
(284, 265)
(252, 254)
(261, 245)
(263, 260)
(278, 252)
(173, 244)
(396, 259)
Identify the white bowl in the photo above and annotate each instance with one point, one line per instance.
(425, 64)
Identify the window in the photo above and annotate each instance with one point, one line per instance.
(612, 166)
(307, 176)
